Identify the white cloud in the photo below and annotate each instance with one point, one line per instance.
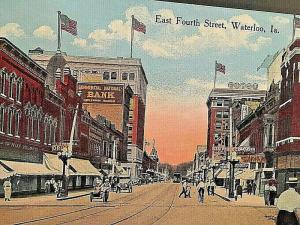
(80, 42)
(279, 20)
(11, 30)
(44, 32)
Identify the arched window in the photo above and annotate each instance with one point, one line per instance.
(10, 121)
(2, 111)
(3, 75)
(17, 123)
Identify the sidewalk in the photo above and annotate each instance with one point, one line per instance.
(43, 199)
(246, 200)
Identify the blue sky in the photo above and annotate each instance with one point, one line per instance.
(178, 60)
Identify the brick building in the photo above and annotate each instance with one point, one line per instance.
(288, 136)
(128, 71)
(222, 105)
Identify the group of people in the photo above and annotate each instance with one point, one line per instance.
(238, 191)
(51, 186)
(102, 188)
(210, 186)
(270, 192)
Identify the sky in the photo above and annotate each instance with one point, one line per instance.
(178, 59)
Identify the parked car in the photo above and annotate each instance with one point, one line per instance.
(125, 184)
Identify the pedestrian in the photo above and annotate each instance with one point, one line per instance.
(239, 191)
(200, 189)
(47, 186)
(105, 188)
(183, 191)
(254, 188)
(288, 201)
(208, 187)
(52, 183)
(249, 188)
(7, 189)
(273, 192)
(213, 187)
(188, 191)
(267, 193)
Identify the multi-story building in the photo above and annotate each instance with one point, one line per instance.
(288, 136)
(128, 71)
(222, 120)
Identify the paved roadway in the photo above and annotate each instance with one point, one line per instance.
(149, 204)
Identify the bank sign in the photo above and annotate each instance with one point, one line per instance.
(102, 93)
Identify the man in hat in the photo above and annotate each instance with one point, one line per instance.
(7, 189)
(288, 201)
(105, 189)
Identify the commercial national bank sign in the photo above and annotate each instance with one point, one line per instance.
(102, 93)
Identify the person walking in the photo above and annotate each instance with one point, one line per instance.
(288, 201)
(267, 193)
(105, 189)
(47, 186)
(254, 188)
(200, 189)
(239, 191)
(208, 187)
(213, 187)
(273, 191)
(52, 185)
(249, 188)
(188, 191)
(7, 190)
(183, 191)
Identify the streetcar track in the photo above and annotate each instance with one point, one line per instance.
(140, 211)
(76, 211)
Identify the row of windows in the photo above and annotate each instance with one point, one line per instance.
(224, 125)
(114, 76)
(10, 85)
(221, 102)
(13, 120)
(222, 114)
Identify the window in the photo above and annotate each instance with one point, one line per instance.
(219, 114)
(218, 125)
(106, 75)
(105, 148)
(226, 103)
(10, 87)
(219, 102)
(9, 121)
(2, 110)
(18, 91)
(38, 130)
(131, 76)
(124, 76)
(130, 115)
(225, 114)
(2, 82)
(113, 75)
(17, 123)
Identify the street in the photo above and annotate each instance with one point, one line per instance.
(156, 203)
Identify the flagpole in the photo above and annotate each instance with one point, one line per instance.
(132, 33)
(215, 74)
(58, 32)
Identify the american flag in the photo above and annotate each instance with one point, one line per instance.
(297, 22)
(68, 25)
(220, 68)
(138, 26)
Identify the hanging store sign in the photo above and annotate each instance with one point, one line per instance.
(102, 93)
(244, 150)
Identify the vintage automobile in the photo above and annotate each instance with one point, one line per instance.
(125, 184)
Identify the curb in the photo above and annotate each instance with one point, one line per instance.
(71, 197)
(224, 198)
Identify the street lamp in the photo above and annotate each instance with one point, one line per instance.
(204, 172)
(233, 161)
(64, 156)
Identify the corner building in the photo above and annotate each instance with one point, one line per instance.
(288, 137)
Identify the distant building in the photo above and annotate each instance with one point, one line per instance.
(221, 104)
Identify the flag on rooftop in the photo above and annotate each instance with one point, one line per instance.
(68, 24)
(138, 26)
(220, 68)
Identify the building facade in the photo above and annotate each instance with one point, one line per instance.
(128, 71)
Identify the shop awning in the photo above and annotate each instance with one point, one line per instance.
(223, 174)
(80, 167)
(26, 168)
(246, 175)
(5, 174)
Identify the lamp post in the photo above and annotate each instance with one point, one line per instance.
(204, 172)
(233, 161)
(64, 156)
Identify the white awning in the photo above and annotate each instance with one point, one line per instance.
(5, 174)
(247, 174)
(80, 167)
(245, 143)
(223, 174)
(26, 168)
